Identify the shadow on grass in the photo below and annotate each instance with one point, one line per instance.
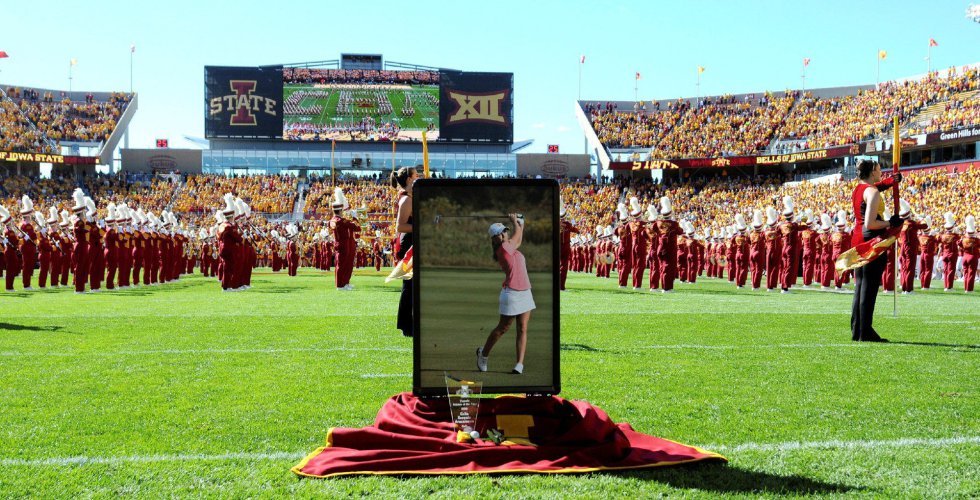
(937, 344)
(718, 477)
(18, 328)
(275, 289)
(579, 347)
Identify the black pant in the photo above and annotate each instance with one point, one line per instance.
(867, 280)
(406, 322)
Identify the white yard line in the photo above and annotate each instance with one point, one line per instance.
(846, 445)
(282, 456)
(207, 351)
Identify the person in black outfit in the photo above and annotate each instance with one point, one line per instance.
(402, 180)
(869, 208)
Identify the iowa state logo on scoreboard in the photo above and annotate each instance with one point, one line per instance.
(476, 107)
(243, 102)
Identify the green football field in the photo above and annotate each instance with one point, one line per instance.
(181, 390)
(426, 113)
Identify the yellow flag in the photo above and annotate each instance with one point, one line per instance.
(74, 61)
(392, 155)
(425, 156)
(700, 69)
(882, 55)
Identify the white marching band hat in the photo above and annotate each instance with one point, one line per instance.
(621, 211)
(79, 197)
(757, 218)
(971, 224)
(772, 216)
(740, 222)
(339, 199)
(825, 222)
(52, 215)
(229, 209)
(841, 218)
(635, 208)
(652, 212)
(905, 210)
(665, 206)
(950, 220)
(27, 206)
(788, 206)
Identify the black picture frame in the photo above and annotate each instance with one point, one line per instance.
(427, 374)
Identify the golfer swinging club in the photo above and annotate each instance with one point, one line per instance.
(515, 297)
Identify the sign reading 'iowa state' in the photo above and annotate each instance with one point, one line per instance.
(243, 102)
(476, 107)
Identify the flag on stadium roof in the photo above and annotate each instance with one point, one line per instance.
(73, 61)
(582, 59)
(882, 55)
(806, 61)
(932, 42)
(132, 48)
(700, 69)
(3, 54)
(637, 75)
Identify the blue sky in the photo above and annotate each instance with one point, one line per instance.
(747, 46)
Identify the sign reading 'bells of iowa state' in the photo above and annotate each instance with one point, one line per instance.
(243, 102)
(476, 107)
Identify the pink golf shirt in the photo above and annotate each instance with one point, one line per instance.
(515, 269)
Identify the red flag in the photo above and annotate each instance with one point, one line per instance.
(860, 255)
(806, 61)
(637, 75)
(932, 42)
(3, 54)
(582, 59)
(417, 436)
(403, 270)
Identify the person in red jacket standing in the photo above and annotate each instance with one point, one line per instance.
(111, 247)
(668, 230)
(28, 242)
(567, 229)
(345, 233)
(292, 250)
(640, 242)
(949, 250)
(774, 250)
(908, 247)
(624, 252)
(66, 244)
(80, 250)
(927, 255)
(653, 257)
(741, 251)
(808, 236)
(229, 247)
(970, 249)
(787, 235)
(10, 248)
(45, 249)
(757, 250)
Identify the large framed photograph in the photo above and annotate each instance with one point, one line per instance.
(486, 285)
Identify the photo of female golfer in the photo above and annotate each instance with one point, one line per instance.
(516, 301)
(486, 258)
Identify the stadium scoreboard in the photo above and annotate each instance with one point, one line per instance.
(358, 102)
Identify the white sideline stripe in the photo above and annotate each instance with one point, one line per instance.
(755, 346)
(82, 460)
(847, 445)
(208, 351)
(385, 375)
(227, 457)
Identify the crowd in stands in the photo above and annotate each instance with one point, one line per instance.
(726, 125)
(37, 121)
(264, 193)
(324, 76)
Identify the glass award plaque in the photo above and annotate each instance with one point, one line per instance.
(464, 402)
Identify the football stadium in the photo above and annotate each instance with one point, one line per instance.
(748, 293)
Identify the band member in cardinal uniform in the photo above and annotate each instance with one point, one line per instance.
(787, 235)
(949, 248)
(970, 249)
(927, 255)
(908, 247)
(345, 233)
(565, 256)
(669, 230)
(624, 253)
(28, 243)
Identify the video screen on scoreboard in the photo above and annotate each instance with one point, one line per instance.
(354, 105)
(459, 285)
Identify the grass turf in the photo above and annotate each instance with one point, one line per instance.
(181, 390)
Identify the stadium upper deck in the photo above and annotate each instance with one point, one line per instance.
(768, 123)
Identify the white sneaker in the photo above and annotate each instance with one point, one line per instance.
(481, 360)
(623, 287)
(756, 289)
(518, 368)
(653, 290)
(784, 291)
(667, 291)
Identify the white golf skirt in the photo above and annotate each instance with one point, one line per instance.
(514, 302)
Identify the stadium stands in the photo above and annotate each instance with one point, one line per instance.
(39, 120)
(786, 122)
